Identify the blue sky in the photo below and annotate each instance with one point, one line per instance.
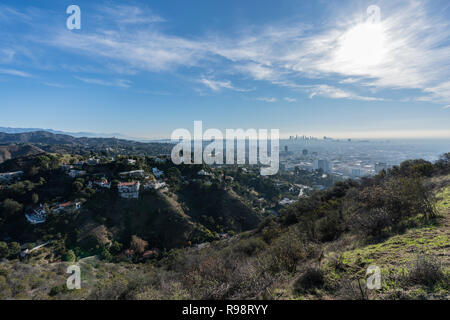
(145, 68)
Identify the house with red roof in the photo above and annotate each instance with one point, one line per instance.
(129, 190)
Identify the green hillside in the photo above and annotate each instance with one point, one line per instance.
(319, 248)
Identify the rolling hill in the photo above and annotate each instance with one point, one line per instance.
(11, 151)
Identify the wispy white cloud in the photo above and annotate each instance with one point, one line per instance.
(290, 100)
(409, 48)
(439, 93)
(145, 51)
(337, 93)
(446, 107)
(128, 14)
(217, 85)
(266, 99)
(55, 85)
(349, 80)
(259, 72)
(115, 83)
(17, 73)
(6, 55)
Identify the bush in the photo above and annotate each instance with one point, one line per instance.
(138, 245)
(285, 254)
(10, 208)
(57, 290)
(4, 251)
(329, 228)
(312, 278)
(70, 256)
(14, 249)
(250, 246)
(373, 222)
(426, 271)
(390, 203)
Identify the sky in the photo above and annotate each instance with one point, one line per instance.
(356, 69)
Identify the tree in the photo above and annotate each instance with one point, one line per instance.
(70, 256)
(4, 251)
(116, 247)
(33, 171)
(138, 245)
(77, 186)
(105, 254)
(10, 207)
(35, 198)
(14, 249)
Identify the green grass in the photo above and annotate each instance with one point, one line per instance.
(443, 198)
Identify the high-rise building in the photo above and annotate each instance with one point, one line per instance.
(323, 164)
(356, 172)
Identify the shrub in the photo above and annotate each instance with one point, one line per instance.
(285, 254)
(390, 203)
(14, 249)
(57, 290)
(138, 245)
(312, 278)
(250, 246)
(70, 256)
(330, 227)
(4, 251)
(426, 271)
(373, 222)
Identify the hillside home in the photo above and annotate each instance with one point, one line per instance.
(39, 215)
(287, 201)
(93, 162)
(10, 176)
(66, 167)
(103, 183)
(154, 185)
(203, 173)
(76, 173)
(67, 207)
(129, 190)
(79, 164)
(157, 173)
(133, 174)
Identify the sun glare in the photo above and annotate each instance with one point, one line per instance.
(362, 46)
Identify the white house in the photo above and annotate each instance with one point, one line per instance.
(39, 215)
(67, 207)
(76, 173)
(287, 201)
(66, 167)
(157, 173)
(155, 185)
(103, 183)
(93, 161)
(133, 174)
(129, 190)
(10, 176)
(203, 173)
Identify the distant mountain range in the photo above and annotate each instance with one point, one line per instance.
(64, 143)
(73, 134)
